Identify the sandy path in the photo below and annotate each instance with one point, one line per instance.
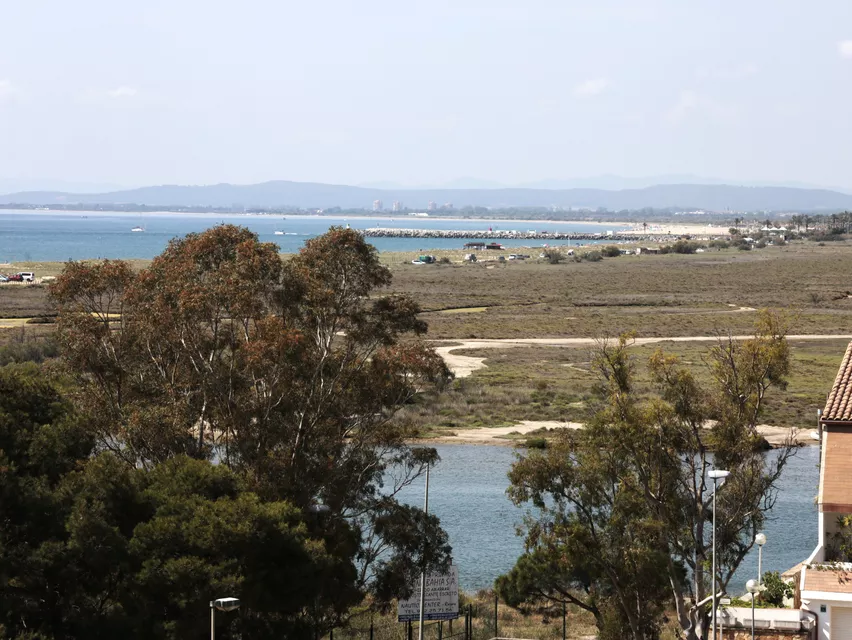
(776, 436)
(497, 435)
(11, 323)
(463, 366)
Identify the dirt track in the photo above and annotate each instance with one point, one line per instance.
(463, 366)
(775, 436)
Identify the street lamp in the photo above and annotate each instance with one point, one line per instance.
(717, 475)
(222, 604)
(752, 587)
(760, 539)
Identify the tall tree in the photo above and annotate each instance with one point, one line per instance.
(593, 542)
(288, 373)
(91, 547)
(673, 440)
(660, 448)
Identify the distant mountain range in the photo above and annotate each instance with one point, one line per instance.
(282, 193)
(609, 182)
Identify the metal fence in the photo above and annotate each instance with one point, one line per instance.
(475, 622)
(366, 627)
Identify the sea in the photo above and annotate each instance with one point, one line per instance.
(467, 491)
(57, 236)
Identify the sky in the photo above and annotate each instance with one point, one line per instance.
(144, 92)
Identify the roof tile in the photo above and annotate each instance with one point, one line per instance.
(829, 579)
(835, 491)
(838, 407)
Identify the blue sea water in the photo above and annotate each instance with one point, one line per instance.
(467, 490)
(60, 236)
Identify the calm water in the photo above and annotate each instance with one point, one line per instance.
(59, 236)
(467, 490)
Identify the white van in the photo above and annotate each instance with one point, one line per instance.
(27, 276)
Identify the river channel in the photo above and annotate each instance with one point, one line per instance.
(468, 493)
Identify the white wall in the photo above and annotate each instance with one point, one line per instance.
(823, 619)
(814, 603)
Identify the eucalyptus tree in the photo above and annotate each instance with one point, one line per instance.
(659, 448)
(287, 372)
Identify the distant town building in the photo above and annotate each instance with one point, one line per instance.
(377, 205)
(432, 206)
(397, 205)
(447, 205)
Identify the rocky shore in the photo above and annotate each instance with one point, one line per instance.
(500, 234)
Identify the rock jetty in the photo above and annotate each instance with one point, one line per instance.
(501, 234)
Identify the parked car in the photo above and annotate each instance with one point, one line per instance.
(27, 276)
(16, 277)
(4, 278)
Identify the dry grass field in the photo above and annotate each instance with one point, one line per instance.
(714, 293)
(654, 295)
(545, 383)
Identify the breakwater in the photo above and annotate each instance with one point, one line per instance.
(492, 234)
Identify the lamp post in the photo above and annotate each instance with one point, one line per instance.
(760, 539)
(222, 604)
(752, 587)
(423, 573)
(716, 475)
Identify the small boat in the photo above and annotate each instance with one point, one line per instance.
(279, 233)
(138, 229)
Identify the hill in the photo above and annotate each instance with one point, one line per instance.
(317, 195)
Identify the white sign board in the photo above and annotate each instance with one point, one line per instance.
(441, 602)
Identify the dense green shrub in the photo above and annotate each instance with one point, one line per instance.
(835, 235)
(553, 256)
(611, 251)
(684, 246)
(536, 443)
(592, 256)
(28, 351)
(775, 589)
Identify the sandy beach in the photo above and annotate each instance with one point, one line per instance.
(501, 436)
(691, 229)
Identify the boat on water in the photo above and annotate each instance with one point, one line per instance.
(138, 229)
(279, 233)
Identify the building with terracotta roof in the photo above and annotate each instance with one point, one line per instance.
(825, 583)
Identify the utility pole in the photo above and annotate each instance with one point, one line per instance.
(423, 572)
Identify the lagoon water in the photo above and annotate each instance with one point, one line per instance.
(467, 491)
(60, 236)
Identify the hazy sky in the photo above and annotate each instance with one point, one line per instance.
(199, 91)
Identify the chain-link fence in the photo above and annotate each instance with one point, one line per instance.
(484, 619)
(375, 627)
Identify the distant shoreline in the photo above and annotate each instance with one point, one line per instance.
(303, 216)
(617, 226)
